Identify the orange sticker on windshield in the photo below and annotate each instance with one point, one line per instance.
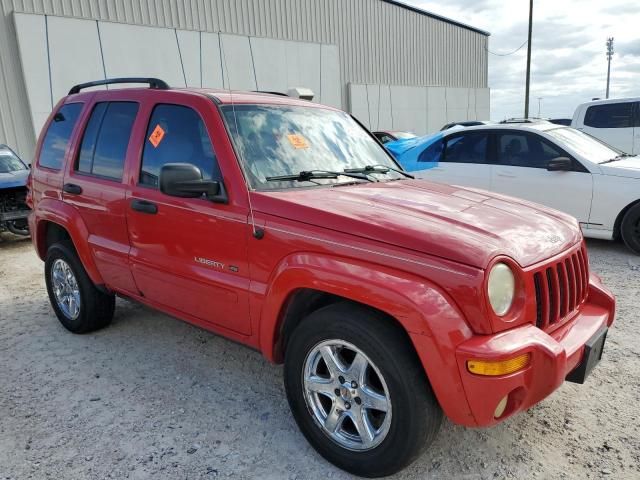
(156, 136)
(298, 141)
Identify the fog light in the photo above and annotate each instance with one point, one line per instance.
(502, 405)
(504, 367)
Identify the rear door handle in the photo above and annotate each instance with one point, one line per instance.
(72, 189)
(144, 206)
(505, 175)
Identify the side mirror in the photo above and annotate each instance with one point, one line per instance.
(185, 180)
(560, 164)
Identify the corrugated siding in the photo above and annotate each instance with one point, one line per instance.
(379, 43)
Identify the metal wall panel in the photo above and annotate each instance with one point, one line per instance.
(379, 43)
(422, 110)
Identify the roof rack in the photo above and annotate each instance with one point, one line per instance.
(271, 93)
(153, 83)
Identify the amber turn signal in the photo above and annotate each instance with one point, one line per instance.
(503, 367)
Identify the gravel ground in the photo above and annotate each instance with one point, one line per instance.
(153, 397)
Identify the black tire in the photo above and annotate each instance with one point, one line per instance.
(630, 229)
(96, 307)
(416, 415)
(18, 227)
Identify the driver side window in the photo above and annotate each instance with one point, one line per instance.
(176, 134)
(525, 150)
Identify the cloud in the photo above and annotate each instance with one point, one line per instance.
(568, 50)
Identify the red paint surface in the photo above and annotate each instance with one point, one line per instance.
(416, 250)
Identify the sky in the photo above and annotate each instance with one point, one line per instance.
(568, 60)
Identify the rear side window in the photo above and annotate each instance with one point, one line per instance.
(611, 115)
(58, 134)
(106, 138)
(467, 148)
(176, 134)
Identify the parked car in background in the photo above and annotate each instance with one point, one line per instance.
(386, 136)
(561, 121)
(13, 192)
(285, 226)
(467, 123)
(542, 162)
(524, 120)
(616, 122)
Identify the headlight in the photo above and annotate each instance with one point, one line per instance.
(501, 288)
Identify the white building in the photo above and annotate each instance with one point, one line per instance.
(393, 66)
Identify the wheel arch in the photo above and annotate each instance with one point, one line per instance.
(304, 301)
(617, 225)
(430, 320)
(56, 221)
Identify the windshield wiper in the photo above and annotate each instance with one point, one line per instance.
(618, 157)
(307, 175)
(379, 168)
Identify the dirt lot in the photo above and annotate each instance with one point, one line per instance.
(152, 397)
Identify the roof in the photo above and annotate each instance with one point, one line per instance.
(436, 16)
(539, 126)
(237, 97)
(220, 96)
(611, 100)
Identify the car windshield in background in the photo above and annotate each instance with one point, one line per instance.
(9, 162)
(279, 140)
(587, 146)
(404, 135)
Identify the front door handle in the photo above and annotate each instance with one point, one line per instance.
(506, 175)
(72, 189)
(144, 206)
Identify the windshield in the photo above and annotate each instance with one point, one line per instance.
(589, 147)
(9, 162)
(277, 140)
(404, 135)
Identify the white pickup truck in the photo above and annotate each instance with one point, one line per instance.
(614, 121)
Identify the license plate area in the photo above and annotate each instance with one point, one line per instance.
(592, 354)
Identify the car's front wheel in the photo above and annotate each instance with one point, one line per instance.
(358, 391)
(630, 228)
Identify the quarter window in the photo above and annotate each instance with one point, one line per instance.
(56, 140)
(467, 148)
(106, 138)
(176, 134)
(610, 115)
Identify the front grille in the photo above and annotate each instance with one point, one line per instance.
(561, 287)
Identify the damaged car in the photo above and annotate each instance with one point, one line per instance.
(13, 192)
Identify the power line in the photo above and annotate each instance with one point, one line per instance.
(507, 54)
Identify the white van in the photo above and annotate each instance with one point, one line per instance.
(616, 122)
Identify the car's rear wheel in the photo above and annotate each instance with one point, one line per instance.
(78, 304)
(630, 228)
(358, 391)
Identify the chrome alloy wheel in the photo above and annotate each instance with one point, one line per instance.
(346, 395)
(65, 289)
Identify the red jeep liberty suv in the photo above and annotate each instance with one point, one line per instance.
(286, 226)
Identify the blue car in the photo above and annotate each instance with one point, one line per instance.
(13, 192)
(420, 153)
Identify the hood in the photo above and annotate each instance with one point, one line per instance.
(14, 179)
(464, 225)
(625, 167)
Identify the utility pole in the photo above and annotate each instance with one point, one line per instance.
(526, 93)
(609, 56)
(539, 105)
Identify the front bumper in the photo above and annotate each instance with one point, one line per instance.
(553, 356)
